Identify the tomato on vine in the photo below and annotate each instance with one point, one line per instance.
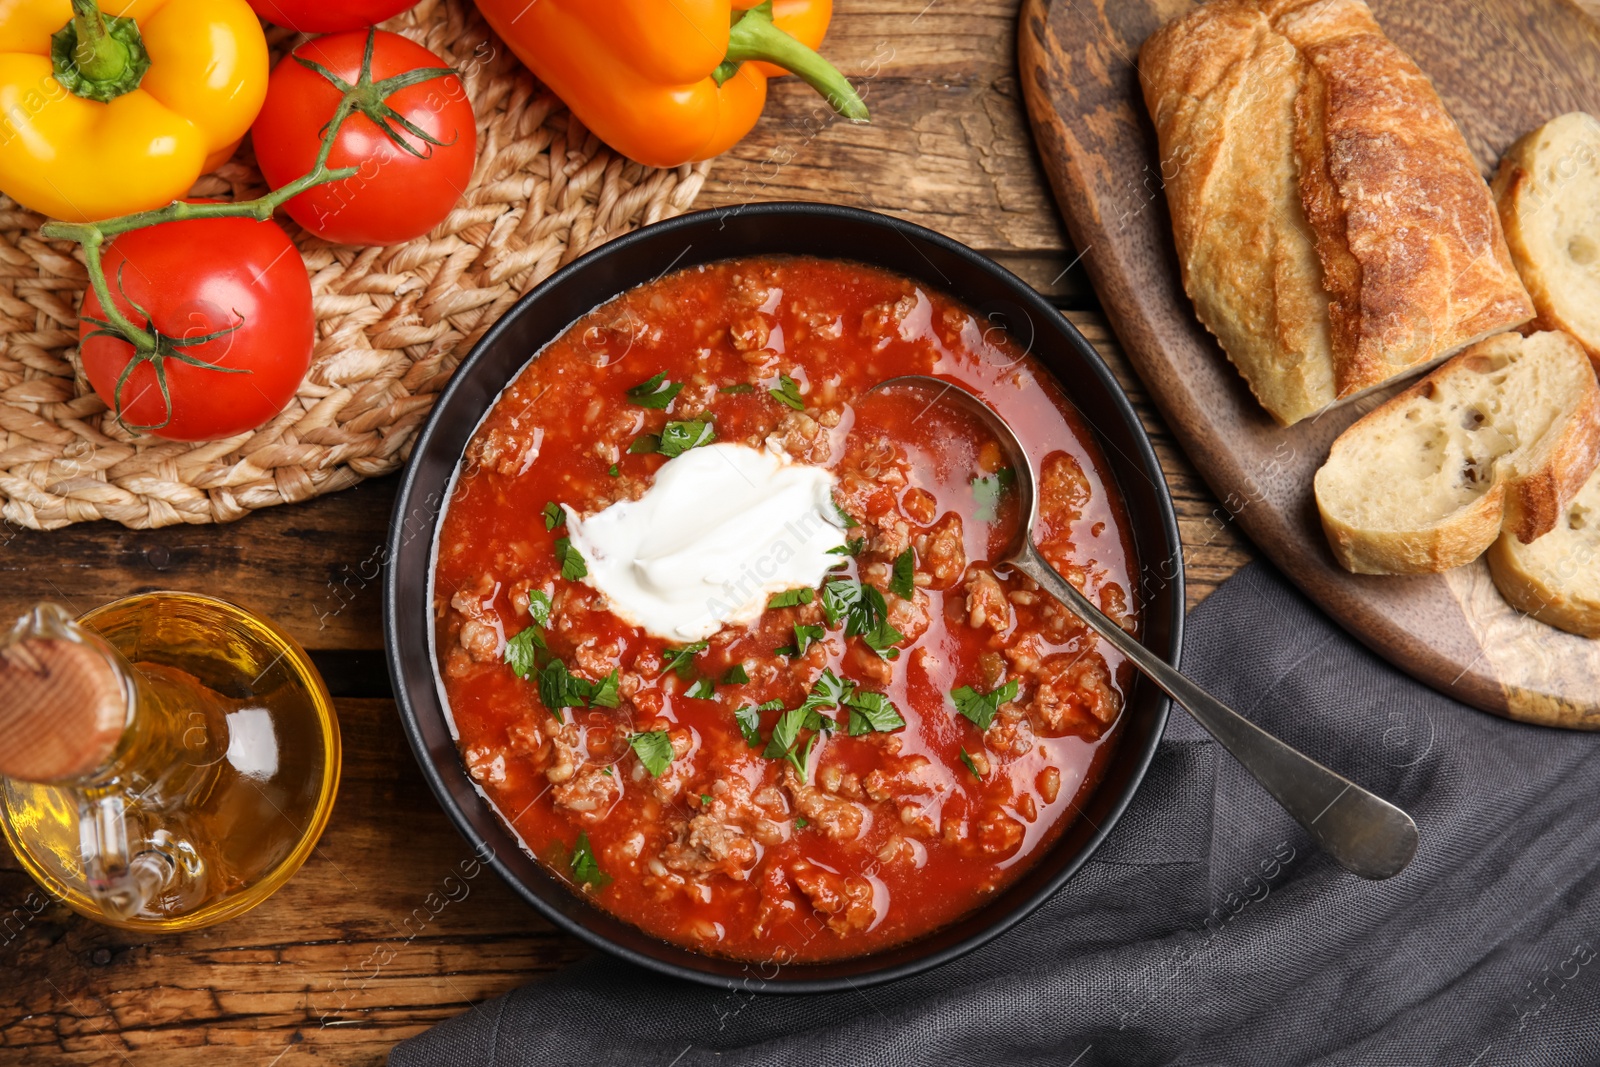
(226, 307)
(328, 16)
(411, 134)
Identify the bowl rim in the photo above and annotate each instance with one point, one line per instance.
(1031, 301)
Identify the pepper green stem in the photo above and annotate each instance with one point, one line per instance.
(96, 57)
(755, 38)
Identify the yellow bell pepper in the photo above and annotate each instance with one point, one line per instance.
(131, 106)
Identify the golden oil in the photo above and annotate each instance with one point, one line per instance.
(219, 786)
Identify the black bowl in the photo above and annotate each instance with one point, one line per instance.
(765, 229)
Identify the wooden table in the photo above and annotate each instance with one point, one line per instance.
(331, 967)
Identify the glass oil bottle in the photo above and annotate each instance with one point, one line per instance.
(166, 762)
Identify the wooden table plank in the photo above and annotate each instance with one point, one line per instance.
(385, 932)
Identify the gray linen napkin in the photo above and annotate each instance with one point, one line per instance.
(1207, 930)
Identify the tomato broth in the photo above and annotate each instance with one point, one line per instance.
(675, 809)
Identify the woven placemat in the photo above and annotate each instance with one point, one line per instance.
(392, 323)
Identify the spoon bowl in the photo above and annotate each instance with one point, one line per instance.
(1361, 831)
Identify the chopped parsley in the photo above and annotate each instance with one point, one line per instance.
(735, 675)
(973, 767)
(705, 800)
(613, 470)
(790, 598)
(539, 606)
(803, 636)
(655, 393)
(800, 822)
(678, 437)
(865, 614)
(560, 688)
(571, 560)
(828, 691)
(788, 393)
(749, 720)
(703, 689)
(980, 707)
(872, 712)
(607, 772)
(654, 750)
(851, 547)
(988, 491)
(522, 652)
(901, 585)
(553, 515)
(742, 387)
(603, 694)
(585, 870)
(845, 518)
(645, 442)
(681, 660)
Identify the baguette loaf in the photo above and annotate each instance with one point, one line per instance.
(1332, 228)
(1548, 191)
(1557, 578)
(1499, 439)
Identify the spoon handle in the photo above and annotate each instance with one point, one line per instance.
(1364, 834)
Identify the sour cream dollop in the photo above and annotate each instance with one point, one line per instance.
(723, 528)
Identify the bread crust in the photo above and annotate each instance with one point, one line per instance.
(1557, 578)
(1333, 230)
(1410, 240)
(1530, 594)
(1567, 150)
(1524, 502)
(1221, 86)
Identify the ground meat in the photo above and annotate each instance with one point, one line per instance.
(707, 846)
(803, 438)
(589, 794)
(485, 764)
(1010, 734)
(987, 605)
(919, 506)
(481, 634)
(724, 837)
(846, 900)
(750, 333)
(504, 452)
(998, 834)
(910, 617)
(585, 789)
(1074, 695)
(1063, 491)
(669, 784)
(525, 735)
(595, 659)
(695, 400)
(890, 536)
(942, 553)
(835, 817)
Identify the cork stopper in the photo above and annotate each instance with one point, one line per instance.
(63, 708)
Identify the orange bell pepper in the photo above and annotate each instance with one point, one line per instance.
(670, 83)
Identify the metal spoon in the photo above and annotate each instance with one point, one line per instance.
(1364, 834)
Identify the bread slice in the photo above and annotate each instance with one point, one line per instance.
(1498, 439)
(1548, 192)
(1408, 235)
(1556, 579)
(1221, 87)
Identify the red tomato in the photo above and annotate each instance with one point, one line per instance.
(328, 16)
(194, 278)
(397, 195)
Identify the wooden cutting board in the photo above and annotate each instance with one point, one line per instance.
(1502, 67)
